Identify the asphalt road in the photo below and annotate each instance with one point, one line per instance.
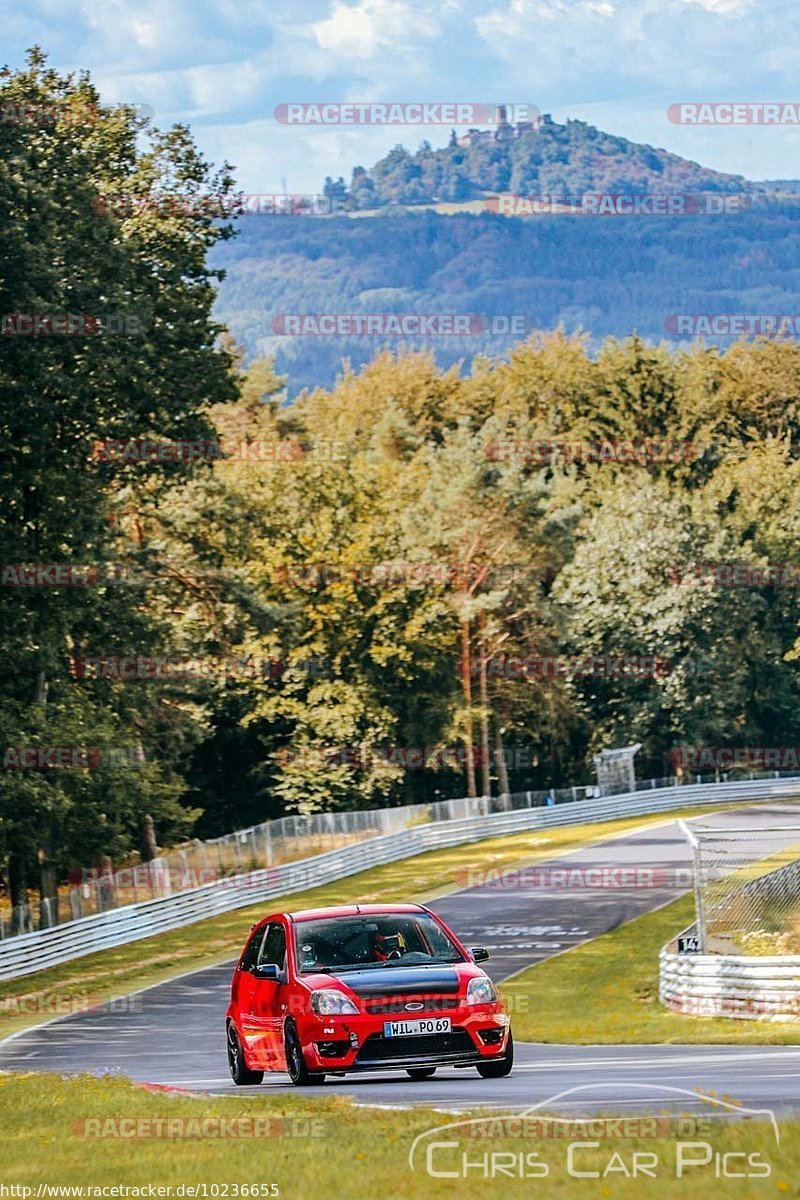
(174, 1033)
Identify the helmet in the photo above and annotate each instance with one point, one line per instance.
(389, 945)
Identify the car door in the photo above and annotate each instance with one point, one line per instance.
(244, 987)
(270, 999)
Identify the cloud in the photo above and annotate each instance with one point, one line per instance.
(723, 8)
(225, 65)
(364, 29)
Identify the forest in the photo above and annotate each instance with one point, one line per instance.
(602, 276)
(223, 601)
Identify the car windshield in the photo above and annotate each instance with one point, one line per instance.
(390, 939)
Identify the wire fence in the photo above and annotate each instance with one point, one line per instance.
(286, 839)
(747, 889)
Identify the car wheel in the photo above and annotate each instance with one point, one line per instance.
(501, 1066)
(420, 1073)
(295, 1063)
(241, 1074)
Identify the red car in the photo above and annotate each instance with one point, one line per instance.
(369, 987)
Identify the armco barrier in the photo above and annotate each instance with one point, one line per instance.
(284, 839)
(31, 952)
(728, 985)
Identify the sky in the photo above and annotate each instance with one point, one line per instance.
(224, 66)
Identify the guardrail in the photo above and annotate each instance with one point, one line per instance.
(285, 839)
(729, 985)
(269, 844)
(31, 952)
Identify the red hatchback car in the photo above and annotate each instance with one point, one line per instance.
(362, 988)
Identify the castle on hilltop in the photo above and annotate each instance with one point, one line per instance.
(504, 132)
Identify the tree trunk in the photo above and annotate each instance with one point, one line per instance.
(149, 847)
(500, 759)
(48, 885)
(486, 762)
(466, 686)
(41, 689)
(106, 898)
(149, 851)
(18, 886)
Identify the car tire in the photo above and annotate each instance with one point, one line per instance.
(295, 1062)
(501, 1066)
(420, 1073)
(241, 1074)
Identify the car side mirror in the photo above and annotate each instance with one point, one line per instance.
(267, 971)
(478, 953)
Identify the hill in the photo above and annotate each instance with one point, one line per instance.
(432, 245)
(529, 158)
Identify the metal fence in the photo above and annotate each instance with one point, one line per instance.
(287, 839)
(747, 889)
(454, 825)
(267, 845)
(740, 957)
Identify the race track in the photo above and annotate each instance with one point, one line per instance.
(174, 1033)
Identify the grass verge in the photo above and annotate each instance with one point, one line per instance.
(74, 986)
(606, 992)
(104, 1132)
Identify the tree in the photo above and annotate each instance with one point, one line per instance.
(140, 362)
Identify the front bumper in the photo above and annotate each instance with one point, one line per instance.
(357, 1043)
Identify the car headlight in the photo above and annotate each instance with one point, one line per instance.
(329, 1002)
(481, 991)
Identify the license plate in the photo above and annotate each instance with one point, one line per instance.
(415, 1028)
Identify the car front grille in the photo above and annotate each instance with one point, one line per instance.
(377, 1048)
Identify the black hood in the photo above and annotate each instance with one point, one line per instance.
(391, 981)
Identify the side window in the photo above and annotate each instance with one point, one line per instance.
(250, 956)
(274, 948)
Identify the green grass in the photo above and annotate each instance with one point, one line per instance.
(606, 992)
(318, 1148)
(74, 985)
(443, 207)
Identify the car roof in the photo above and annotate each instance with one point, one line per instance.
(354, 910)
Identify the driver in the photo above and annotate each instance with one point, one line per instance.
(388, 945)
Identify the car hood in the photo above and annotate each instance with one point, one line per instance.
(390, 981)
